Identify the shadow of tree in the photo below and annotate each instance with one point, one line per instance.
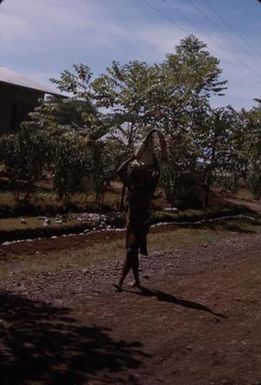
(165, 297)
(42, 344)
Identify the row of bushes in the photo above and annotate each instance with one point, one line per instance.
(71, 163)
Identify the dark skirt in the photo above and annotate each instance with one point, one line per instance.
(138, 221)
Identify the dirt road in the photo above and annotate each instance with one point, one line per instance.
(196, 321)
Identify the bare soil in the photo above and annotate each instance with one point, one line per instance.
(196, 320)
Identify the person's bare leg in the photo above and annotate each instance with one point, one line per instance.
(125, 270)
(135, 269)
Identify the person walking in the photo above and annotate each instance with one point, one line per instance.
(140, 174)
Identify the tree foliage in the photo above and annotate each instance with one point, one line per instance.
(253, 148)
(87, 134)
(24, 155)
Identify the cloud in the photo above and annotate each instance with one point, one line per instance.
(34, 20)
(42, 38)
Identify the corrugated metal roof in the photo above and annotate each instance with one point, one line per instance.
(10, 77)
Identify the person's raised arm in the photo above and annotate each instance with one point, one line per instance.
(122, 170)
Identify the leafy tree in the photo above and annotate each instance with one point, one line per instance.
(97, 125)
(189, 77)
(73, 127)
(78, 110)
(25, 156)
(213, 141)
(191, 69)
(125, 91)
(253, 124)
(237, 159)
(173, 96)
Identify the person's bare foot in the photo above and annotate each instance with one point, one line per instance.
(117, 287)
(135, 284)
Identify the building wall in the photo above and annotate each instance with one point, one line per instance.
(15, 104)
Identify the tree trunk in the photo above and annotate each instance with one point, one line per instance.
(174, 193)
(208, 184)
(122, 197)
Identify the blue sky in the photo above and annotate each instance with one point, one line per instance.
(40, 38)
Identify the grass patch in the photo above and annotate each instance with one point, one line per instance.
(34, 227)
(184, 238)
(102, 253)
(47, 203)
(8, 224)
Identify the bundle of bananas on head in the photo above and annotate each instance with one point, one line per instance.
(143, 171)
(145, 154)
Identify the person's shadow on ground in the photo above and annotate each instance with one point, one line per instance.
(42, 344)
(165, 297)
